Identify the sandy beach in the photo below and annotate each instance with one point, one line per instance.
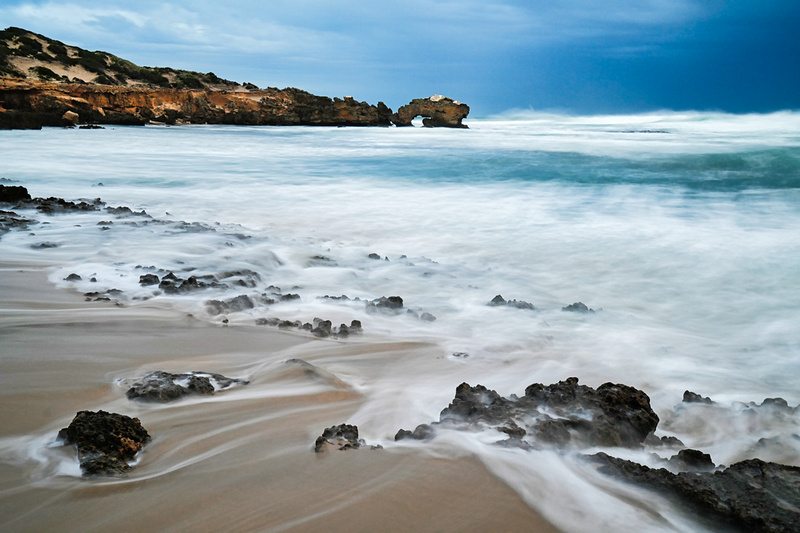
(241, 460)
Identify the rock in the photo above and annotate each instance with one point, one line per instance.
(149, 279)
(322, 328)
(751, 496)
(32, 104)
(421, 432)
(162, 386)
(341, 437)
(691, 397)
(438, 110)
(71, 116)
(692, 460)
(498, 301)
(232, 305)
(73, 277)
(391, 303)
(427, 317)
(561, 414)
(578, 307)
(106, 442)
(11, 194)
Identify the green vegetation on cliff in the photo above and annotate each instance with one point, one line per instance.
(49, 57)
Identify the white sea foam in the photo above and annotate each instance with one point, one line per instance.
(682, 231)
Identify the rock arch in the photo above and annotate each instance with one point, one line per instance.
(438, 111)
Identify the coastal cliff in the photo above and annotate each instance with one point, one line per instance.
(44, 82)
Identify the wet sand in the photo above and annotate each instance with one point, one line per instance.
(241, 460)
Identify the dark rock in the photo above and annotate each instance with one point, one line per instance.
(341, 437)
(149, 279)
(322, 328)
(421, 432)
(44, 245)
(578, 307)
(11, 194)
(670, 442)
(561, 414)
(391, 302)
(106, 442)
(751, 496)
(691, 397)
(162, 386)
(124, 211)
(427, 317)
(73, 277)
(232, 305)
(289, 297)
(693, 460)
(374, 256)
(498, 301)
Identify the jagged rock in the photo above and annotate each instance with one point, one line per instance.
(752, 496)
(561, 414)
(106, 442)
(438, 110)
(691, 397)
(498, 301)
(35, 104)
(11, 194)
(341, 437)
(578, 307)
(162, 386)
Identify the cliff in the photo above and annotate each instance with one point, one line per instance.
(44, 82)
(28, 103)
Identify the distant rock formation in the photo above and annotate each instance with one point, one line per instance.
(33, 104)
(438, 110)
(44, 82)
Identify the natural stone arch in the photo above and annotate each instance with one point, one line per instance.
(437, 110)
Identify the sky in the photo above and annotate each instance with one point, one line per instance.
(570, 56)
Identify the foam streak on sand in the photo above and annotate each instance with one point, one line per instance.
(680, 231)
(245, 463)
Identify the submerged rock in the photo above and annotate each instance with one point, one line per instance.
(106, 442)
(498, 301)
(162, 386)
(578, 307)
(752, 496)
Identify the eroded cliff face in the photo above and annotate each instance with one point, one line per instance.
(438, 110)
(27, 103)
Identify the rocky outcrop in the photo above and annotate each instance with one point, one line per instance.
(753, 495)
(28, 104)
(106, 442)
(564, 414)
(437, 110)
(162, 386)
(341, 437)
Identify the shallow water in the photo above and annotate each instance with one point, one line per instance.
(682, 231)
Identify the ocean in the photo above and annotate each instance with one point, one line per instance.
(680, 230)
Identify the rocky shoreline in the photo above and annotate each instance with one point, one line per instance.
(567, 417)
(30, 104)
(44, 82)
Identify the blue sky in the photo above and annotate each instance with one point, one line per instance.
(578, 56)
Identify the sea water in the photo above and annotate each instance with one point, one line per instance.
(680, 230)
